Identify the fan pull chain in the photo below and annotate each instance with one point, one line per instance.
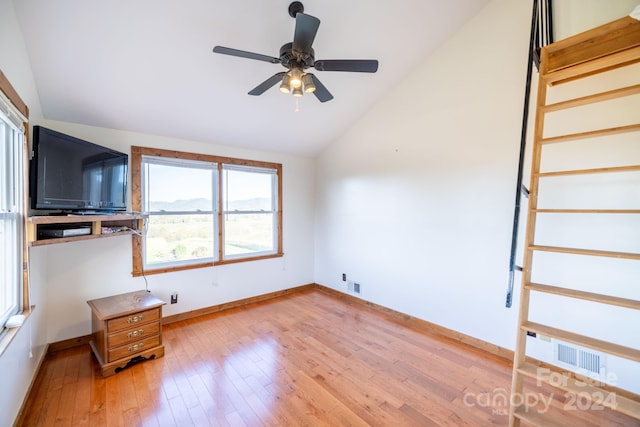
(297, 105)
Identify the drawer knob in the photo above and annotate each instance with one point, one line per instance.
(135, 319)
(135, 333)
(136, 347)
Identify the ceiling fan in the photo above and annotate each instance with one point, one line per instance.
(299, 56)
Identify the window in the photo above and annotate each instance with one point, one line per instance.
(204, 210)
(179, 197)
(11, 216)
(249, 201)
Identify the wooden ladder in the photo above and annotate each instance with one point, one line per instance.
(601, 50)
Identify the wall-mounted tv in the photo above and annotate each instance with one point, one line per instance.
(75, 175)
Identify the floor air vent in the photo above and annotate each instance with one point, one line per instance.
(581, 360)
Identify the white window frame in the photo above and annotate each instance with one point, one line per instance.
(12, 215)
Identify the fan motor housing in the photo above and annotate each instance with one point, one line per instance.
(289, 58)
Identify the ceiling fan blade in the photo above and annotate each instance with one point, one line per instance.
(321, 92)
(245, 54)
(305, 33)
(267, 84)
(354, 65)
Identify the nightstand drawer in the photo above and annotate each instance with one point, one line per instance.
(134, 334)
(126, 322)
(131, 349)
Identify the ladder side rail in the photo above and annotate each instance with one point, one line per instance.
(523, 315)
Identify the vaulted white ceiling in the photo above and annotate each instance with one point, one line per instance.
(148, 66)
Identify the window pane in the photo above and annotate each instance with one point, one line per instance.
(248, 191)
(179, 238)
(6, 279)
(248, 233)
(178, 188)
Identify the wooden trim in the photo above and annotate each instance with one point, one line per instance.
(235, 304)
(279, 247)
(139, 271)
(588, 46)
(220, 217)
(67, 344)
(428, 327)
(136, 203)
(420, 325)
(253, 258)
(7, 88)
(173, 154)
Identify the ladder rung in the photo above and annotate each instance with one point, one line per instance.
(590, 252)
(598, 97)
(633, 168)
(603, 397)
(588, 296)
(590, 134)
(589, 211)
(596, 344)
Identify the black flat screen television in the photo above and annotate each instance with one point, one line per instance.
(75, 175)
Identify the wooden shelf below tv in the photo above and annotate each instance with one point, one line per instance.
(95, 227)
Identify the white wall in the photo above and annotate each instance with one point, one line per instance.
(80, 271)
(64, 277)
(575, 16)
(415, 201)
(19, 362)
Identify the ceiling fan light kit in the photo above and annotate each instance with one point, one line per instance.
(298, 56)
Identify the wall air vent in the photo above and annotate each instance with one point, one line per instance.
(581, 360)
(353, 287)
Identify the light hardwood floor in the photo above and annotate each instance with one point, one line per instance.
(308, 358)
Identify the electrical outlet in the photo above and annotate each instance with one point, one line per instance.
(344, 277)
(174, 298)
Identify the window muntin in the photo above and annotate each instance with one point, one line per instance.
(244, 220)
(11, 219)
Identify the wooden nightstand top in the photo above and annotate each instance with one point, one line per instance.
(124, 304)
